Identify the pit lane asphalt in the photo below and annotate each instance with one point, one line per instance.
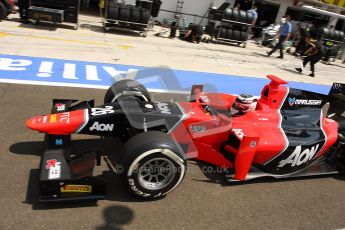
(203, 200)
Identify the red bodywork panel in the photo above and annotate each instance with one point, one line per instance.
(59, 124)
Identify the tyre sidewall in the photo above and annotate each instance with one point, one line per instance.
(132, 178)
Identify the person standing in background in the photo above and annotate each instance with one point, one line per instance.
(23, 10)
(254, 13)
(284, 33)
(301, 33)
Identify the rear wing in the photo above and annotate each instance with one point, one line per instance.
(337, 105)
(337, 91)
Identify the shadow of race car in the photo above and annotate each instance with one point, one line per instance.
(290, 133)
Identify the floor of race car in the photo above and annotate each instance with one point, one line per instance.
(203, 198)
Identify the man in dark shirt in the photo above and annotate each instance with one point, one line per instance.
(314, 54)
(301, 33)
(194, 33)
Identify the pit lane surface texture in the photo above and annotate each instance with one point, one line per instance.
(203, 200)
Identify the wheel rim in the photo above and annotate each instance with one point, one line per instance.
(156, 173)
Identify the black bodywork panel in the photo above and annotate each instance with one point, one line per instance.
(114, 119)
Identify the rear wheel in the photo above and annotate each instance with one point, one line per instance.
(126, 88)
(153, 165)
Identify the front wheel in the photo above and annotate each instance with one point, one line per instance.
(126, 88)
(153, 165)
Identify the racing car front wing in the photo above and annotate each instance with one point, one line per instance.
(65, 176)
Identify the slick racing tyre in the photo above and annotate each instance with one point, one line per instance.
(124, 13)
(243, 16)
(112, 3)
(326, 33)
(135, 14)
(237, 35)
(332, 35)
(230, 34)
(113, 12)
(153, 165)
(235, 15)
(228, 14)
(244, 36)
(341, 36)
(126, 88)
(145, 16)
(223, 33)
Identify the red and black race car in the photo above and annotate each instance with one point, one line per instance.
(289, 133)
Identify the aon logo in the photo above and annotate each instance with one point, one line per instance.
(102, 127)
(163, 107)
(297, 157)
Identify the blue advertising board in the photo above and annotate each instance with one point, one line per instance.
(57, 72)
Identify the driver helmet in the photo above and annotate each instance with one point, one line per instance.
(244, 103)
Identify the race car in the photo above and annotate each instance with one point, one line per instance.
(284, 133)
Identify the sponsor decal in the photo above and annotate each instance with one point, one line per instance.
(65, 117)
(198, 128)
(52, 118)
(60, 107)
(58, 142)
(252, 144)
(149, 106)
(263, 119)
(294, 101)
(205, 98)
(163, 107)
(102, 111)
(102, 127)
(54, 168)
(136, 190)
(299, 157)
(238, 133)
(76, 188)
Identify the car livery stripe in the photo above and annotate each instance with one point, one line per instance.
(86, 120)
(280, 126)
